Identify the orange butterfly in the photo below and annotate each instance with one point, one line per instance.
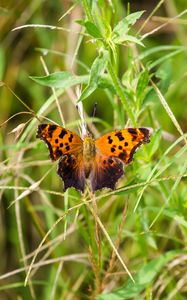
(101, 160)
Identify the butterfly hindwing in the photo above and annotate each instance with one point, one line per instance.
(122, 143)
(71, 170)
(105, 172)
(59, 140)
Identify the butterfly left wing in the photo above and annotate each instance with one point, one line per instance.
(59, 140)
(71, 170)
(122, 143)
(67, 146)
(105, 172)
(112, 150)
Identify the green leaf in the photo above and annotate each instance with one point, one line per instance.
(105, 82)
(143, 279)
(132, 18)
(158, 49)
(121, 29)
(97, 69)
(154, 144)
(91, 28)
(129, 38)
(60, 80)
(163, 58)
(164, 73)
(142, 84)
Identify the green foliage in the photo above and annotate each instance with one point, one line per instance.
(143, 279)
(123, 244)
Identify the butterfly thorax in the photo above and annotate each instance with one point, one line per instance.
(88, 152)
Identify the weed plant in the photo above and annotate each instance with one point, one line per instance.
(131, 59)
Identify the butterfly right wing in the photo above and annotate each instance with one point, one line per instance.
(122, 143)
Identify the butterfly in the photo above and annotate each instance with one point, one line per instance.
(101, 160)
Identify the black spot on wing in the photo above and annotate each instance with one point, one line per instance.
(70, 138)
(110, 161)
(58, 152)
(68, 148)
(122, 155)
(132, 131)
(110, 140)
(134, 137)
(63, 133)
(51, 128)
(119, 135)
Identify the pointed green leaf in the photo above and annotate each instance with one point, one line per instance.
(91, 28)
(142, 85)
(128, 38)
(132, 18)
(97, 69)
(60, 80)
(121, 29)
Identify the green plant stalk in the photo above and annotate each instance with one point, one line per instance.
(87, 10)
(112, 73)
(120, 93)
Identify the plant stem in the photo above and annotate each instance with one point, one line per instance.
(120, 93)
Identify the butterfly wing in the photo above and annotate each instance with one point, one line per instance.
(67, 146)
(122, 143)
(71, 170)
(59, 140)
(112, 150)
(105, 172)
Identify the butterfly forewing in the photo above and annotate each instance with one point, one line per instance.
(59, 140)
(122, 143)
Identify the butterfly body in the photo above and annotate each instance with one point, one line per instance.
(101, 160)
(88, 154)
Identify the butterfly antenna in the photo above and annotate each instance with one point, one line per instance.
(94, 110)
